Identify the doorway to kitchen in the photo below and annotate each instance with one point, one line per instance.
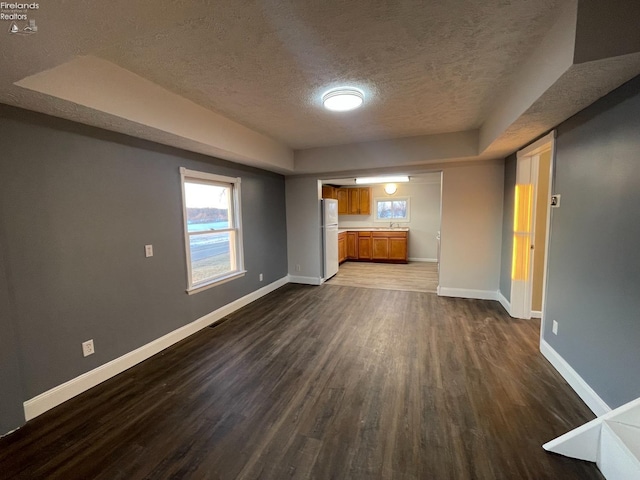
(388, 231)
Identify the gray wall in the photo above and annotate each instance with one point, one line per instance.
(593, 287)
(471, 229)
(303, 229)
(11, 412)
(606, 29)
(510, 166)
(78, 206)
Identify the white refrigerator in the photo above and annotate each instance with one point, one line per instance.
(330, 237)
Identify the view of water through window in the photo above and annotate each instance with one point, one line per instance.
(208, 224)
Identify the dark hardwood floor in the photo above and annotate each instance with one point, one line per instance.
(323, 382)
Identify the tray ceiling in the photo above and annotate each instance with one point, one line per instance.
(427, 69)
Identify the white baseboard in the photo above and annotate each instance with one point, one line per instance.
(2, 435)
(467, 293)
(419, 259)
(582, 388)
(305, 280)
(506, 304)
(57, 395)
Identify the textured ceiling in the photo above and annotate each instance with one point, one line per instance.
(427, 68)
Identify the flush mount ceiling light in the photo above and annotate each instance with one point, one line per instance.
(343, 99)
(394, 179)
(390, 188)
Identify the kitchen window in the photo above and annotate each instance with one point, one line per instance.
(212, 229)
(392, 209)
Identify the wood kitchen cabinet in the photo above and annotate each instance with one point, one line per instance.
(342, 194)
(398, 250)
(374, 246)
(352, 245)
(342, 247)
(380, 248)
(389, 246)
(329, 192)
(354, 201)
(364, 245)
(364, 201)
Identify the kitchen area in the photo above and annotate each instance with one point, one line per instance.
(386, 221)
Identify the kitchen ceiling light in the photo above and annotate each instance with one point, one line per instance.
(343, 99)
(395, 179)
(390, 188)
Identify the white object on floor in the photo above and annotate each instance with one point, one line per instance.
(612, 441)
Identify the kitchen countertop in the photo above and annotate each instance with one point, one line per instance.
(373, 229)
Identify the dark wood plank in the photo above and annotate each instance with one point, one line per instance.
(322, 382)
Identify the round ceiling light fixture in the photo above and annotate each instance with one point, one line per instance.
(390, 188)
(343, 99)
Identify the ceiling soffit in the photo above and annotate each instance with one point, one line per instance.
(244, 83)
(128, 96)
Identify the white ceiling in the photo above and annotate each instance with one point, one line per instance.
(242, 79)
(425, 69)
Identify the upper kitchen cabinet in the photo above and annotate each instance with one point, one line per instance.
(364, 202)
(343, 201)
(329, 192)
(354, 201)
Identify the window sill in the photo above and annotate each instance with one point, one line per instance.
(217, 281)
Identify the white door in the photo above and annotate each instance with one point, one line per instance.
(524, 225)
(523, 247)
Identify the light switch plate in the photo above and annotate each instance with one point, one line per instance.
(555, 201)
(148, 251)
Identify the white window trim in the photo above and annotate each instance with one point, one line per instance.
(237, 213)
(407, 219)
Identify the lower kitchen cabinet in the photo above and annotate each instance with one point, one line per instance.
(342, 247)
(364, 245)
(398, 249)
(374, 246)
(390, 246)
(352, 245)
(380, 248)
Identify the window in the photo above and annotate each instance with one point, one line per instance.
(213, 228)
(392, 209)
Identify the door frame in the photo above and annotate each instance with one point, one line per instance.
(532, 153)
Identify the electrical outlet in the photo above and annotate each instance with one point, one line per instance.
(297, 267)
(554, 328)
(261, 277)
(555, 201)
(87, 348)
(148, 251)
